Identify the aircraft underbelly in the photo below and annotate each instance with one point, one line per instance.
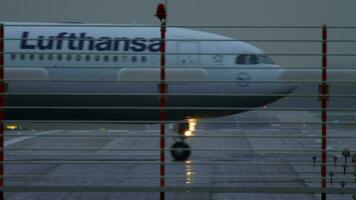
(114, 101)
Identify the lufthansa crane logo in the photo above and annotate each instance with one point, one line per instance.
(243, 79)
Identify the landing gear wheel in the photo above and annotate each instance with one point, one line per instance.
(180, 151)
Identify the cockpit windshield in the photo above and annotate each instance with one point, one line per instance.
(253, 59)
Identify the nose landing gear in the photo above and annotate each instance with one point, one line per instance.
(180, 150)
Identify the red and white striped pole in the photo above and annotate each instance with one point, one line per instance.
(2, 104)
(162, 15)
(324, 90)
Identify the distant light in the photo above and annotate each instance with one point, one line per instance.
(11, 127)
(192, 124)
(188, 133)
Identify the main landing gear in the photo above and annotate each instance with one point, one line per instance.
(180, 150)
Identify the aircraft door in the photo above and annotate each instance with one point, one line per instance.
(188, 54)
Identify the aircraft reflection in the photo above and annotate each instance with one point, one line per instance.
(189, 173)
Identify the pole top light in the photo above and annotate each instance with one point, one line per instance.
(161, 12)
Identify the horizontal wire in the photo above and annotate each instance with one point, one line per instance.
(188, 40)
(169, 53)
(178, 149)
(175, 136)
(181, 121)
(175, 94)
(172, 26)
(313, 171)
(183, 189)
(239, 67)
(174, 81)
(195, 177)
(118, 161)
(257, 180)
(170, 108)
(99, 155)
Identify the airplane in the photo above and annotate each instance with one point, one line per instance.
(64, 71)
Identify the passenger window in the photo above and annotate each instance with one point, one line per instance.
(40, 56)
(125, 59)
(22, 56)
(87, 57)
(69, 57)
(143, 59)
(13, 56)
(97, 58)
(50, 57)
(134, 59)
(32, 56)
(115, 58)
(78, 57)
(106, 58)
(59, 57)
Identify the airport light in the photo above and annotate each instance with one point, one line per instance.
(354, 161)
(11, 127)
(335, 160)
(331, 174)
(344, 168)
(314, 160)
(346, 154)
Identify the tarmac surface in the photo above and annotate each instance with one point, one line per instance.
(274, 154)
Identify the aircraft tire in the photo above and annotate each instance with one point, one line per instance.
(180, 151)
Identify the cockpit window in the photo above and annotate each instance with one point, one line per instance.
(266, 60)
(241, 59)
(253, 59)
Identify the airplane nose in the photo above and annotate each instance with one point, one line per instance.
(285, 79)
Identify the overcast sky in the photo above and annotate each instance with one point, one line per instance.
(242, 12)
(208, 12)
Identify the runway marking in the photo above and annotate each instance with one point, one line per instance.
(79, 131)
(152, 131)
(117, 131)
(230, 130)
(318, 141)
(20, 139)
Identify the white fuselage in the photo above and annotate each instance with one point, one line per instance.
(112, 73)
